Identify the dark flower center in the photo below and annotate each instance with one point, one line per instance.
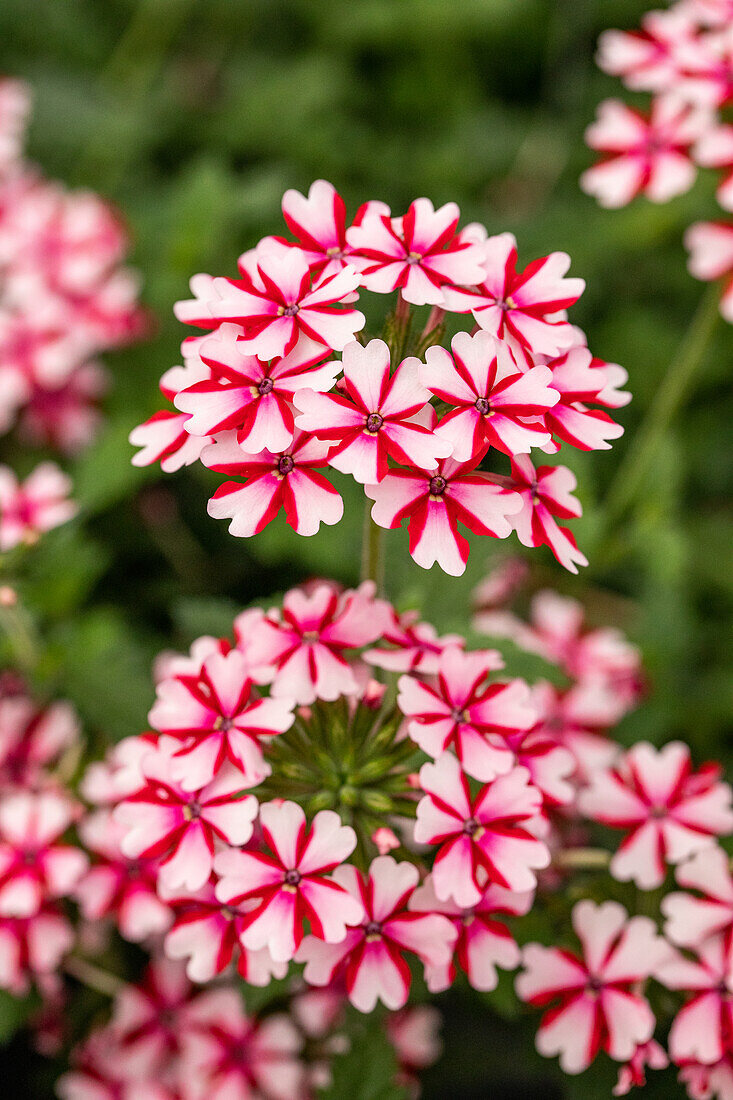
(437, 485)
(471, 827)
(372, 928)
(483, 406)
(266, 386)
(595, 985)
(292, 878)
(413, 257)
(285, 465)
(374, 422)
(288, 311)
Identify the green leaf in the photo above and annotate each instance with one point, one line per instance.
(367, 1071)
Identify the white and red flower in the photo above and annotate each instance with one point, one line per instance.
(420, 254)
(692, 918)
(496, 404)
(228, 1055)
(669, 811)
(371, 957)
(435, 503)
(598, 1005)
(34, 867)
(483, 839)
(31, 737)
(648, 1055)
(292, 884)
(524, 309)
(579, 379)
(288, 480)
(701, 1030)
(547, 495)
(714, 149)
(318, 221)
(164, 438)
(643, 155)
(463, 712)
(249, 395)
(278, 302)
(710, 245)
(37, 505)
(31, 948)
(483, 942)
(218, 716)
(184, 828)
(417, 645)
(118, 887)
(648, 59)
(374, 418)
(302, 650)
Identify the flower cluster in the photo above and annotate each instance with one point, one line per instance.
(64, 296)
(31, 507)
(684, 57)
(38, 869)
(262, 400)
(167, 1041)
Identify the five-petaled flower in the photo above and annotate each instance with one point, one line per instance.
(217, 716)
(374, 418)
(495, 404)
(547, 495)
(701, 1030)
(34, 867)
(669, 810)
(370, 958)
(598, 1004)
(420, 254)
(461, 711)
(294, 883)
(483, 838)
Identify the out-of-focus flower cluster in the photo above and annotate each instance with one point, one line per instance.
(64, 295)
(261, 398)
(683, 56)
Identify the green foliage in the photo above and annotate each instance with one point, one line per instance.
(368, 1069)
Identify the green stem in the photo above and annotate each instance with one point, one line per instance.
(372, 560)
(583, 859)
(102, 981)
(674, 389)
(18, 628)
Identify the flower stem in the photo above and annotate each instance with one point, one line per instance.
(102, 981)
(372, 559)
(582, 859)
(674, 388)
(18, 628)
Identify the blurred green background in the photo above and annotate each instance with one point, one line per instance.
(193, 116)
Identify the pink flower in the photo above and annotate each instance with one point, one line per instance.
(710, 245)
(293, 884)
(248, 395)
(288, 479)
(670, 811)
(704, 1082)
(33, 867)
(31, 737)
(546, 494)
(37, 505)
(319, 224)
(302, 650)
(701, 1030)
(228, 1055)
(417, 645)
(419, 254)
(66, 417)
(164, 438)
(633, 1074)
(578, 379)
(647, 59)
(524, 309)
(117, 886)
(598, 1006)
(483, 839)
(644, 156)
(385, 840)
(691, 919)
(434, 504)
(377, 417)
(33, 947)
(184, 828)
(218, 716)
(715, 150)
(483, 943)
(102, 1070)
(414, 1033)
(149, 1020)
(461, 711)
(208, 936)
(370, 958)
(277, 302)
(550, 764)
(497, 405)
